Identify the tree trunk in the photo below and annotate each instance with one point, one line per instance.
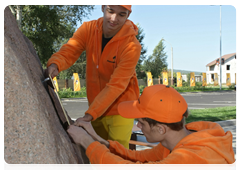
(19, 16)
(12, 9)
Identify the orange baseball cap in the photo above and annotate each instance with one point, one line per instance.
(159, 102)
(128, 7)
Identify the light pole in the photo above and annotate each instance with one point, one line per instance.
(172, 61)
(220, 47)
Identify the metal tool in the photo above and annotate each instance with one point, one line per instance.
(46, 79)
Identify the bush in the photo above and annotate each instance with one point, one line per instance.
(185, 84)
(68, 93)
(141, 87)
(198, 84)
(232, 86)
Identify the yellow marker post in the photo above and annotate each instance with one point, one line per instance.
(236, 78)
(149, 79)
(204, 81)
(55, 83)
(215, 79)
(76, 83)
(165, 78)
(179, 79)
(228, 81)
(192, 79)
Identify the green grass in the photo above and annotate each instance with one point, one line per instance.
(198, 89)
(213, 114)
(68, 93)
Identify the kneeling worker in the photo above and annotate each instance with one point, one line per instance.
(161, 113)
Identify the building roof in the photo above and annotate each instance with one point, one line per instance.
(225, 57)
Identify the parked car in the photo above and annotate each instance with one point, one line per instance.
(236, 87)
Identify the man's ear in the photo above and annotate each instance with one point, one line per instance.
(128, 14)
(103, 6)
(161, 128)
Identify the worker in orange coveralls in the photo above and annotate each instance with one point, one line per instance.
(112, 53)
(161, 113)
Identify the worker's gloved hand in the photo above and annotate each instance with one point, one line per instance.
(52, 70)
(88, 127)
(80, 136)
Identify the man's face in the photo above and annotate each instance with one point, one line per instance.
(114, 17)
(151, 133)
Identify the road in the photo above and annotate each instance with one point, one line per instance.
(203, 100)
(200, 100)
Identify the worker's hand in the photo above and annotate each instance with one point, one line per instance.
(88, 127)
(80, 136)
(87, 118)
(52, 70)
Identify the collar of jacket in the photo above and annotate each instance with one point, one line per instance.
(128, 29)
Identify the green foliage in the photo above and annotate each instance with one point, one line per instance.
(141, 87)
(232, 86)
(198, 89)
(156, 63)
(78, 67)
(185, 84)
(49, 26)
(68, 93)
(213, 114)
(139, 68)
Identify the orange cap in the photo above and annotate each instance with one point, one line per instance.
(128, 7)
(159, 102)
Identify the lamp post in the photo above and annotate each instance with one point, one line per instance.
(220, 47)
(172, 61)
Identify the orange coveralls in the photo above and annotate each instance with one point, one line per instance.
(209, 145)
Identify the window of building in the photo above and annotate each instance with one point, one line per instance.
(212, 68)
(222, 61)
(212, 77)
(228, 67)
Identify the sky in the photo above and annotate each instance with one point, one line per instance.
(193, 31)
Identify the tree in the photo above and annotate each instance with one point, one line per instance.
(78, 67)
(48, 26)
(139, 68)
(156, 62)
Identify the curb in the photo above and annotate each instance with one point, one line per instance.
(208, 92)
(71, 99)
(224, 123)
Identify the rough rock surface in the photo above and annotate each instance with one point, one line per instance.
(33, 132)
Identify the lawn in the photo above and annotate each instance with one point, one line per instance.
(213, 114)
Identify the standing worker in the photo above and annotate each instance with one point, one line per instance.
(112, 52)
